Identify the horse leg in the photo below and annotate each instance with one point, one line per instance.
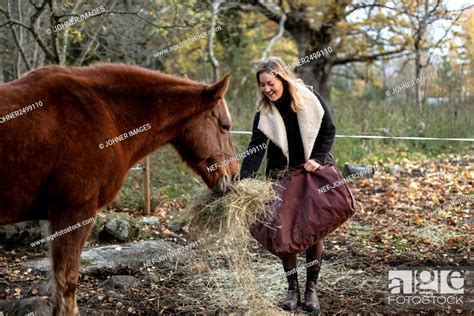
(66, 254)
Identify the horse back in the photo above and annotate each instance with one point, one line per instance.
(51, 155)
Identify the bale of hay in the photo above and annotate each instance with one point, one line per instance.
(231, 215)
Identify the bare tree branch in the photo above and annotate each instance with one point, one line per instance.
(442, 38)
(370, 6)
(210, 41)
(17, 42)
(364, 58)
(281, 31)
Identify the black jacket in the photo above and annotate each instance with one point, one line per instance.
(276, 160)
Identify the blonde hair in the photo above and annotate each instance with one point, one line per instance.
(277, 67)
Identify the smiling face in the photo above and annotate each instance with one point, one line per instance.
(270, 86)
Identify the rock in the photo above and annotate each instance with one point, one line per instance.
(364, 171)
(98, 228)
(23, 234)
(28, 306)
(115, 256)
(178, 221)
(395, 169)
(116, 226)
(122, 229)
(150, 220)
(122, 283)
(150, 278)
(107, 226)
(46, 288)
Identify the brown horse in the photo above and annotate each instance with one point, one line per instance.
(69, 136)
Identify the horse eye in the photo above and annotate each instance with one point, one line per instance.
(226, 127)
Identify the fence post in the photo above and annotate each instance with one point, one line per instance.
(146, 170)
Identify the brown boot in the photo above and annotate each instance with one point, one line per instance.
(293, 298)
(311, 302)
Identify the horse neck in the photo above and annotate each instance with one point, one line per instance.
(164, 105)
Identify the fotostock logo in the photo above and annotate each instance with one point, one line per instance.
(427, 288)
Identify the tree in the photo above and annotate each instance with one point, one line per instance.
(358, 31)
(48, 32)
(316, 27)
(422, 14)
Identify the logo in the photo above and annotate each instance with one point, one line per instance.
(424, 281)
(426, 288)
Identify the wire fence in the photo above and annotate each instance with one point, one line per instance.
(383, 137)
(144, 166)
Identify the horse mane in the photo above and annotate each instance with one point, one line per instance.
(119, 77)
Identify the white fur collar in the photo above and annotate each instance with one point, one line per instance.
(309, 121)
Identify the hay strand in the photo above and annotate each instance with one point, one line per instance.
(230, 215)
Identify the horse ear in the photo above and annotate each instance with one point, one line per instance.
(218, 89)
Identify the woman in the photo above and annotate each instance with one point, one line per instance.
(301, 131)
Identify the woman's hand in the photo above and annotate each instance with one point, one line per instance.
(311, 165)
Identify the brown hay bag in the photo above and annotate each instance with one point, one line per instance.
(305, 215)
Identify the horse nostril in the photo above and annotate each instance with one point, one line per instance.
(236, 178)
(224, 183)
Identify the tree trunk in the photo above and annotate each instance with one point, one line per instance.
(420, 31)
(318, 76)
(2, 79)
(316, 73)
(417, 75)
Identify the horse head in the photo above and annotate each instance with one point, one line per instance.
(205, 142)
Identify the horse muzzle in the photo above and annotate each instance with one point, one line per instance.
(222, 184)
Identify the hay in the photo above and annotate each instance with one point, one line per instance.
(224, 220)
(230, 215)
